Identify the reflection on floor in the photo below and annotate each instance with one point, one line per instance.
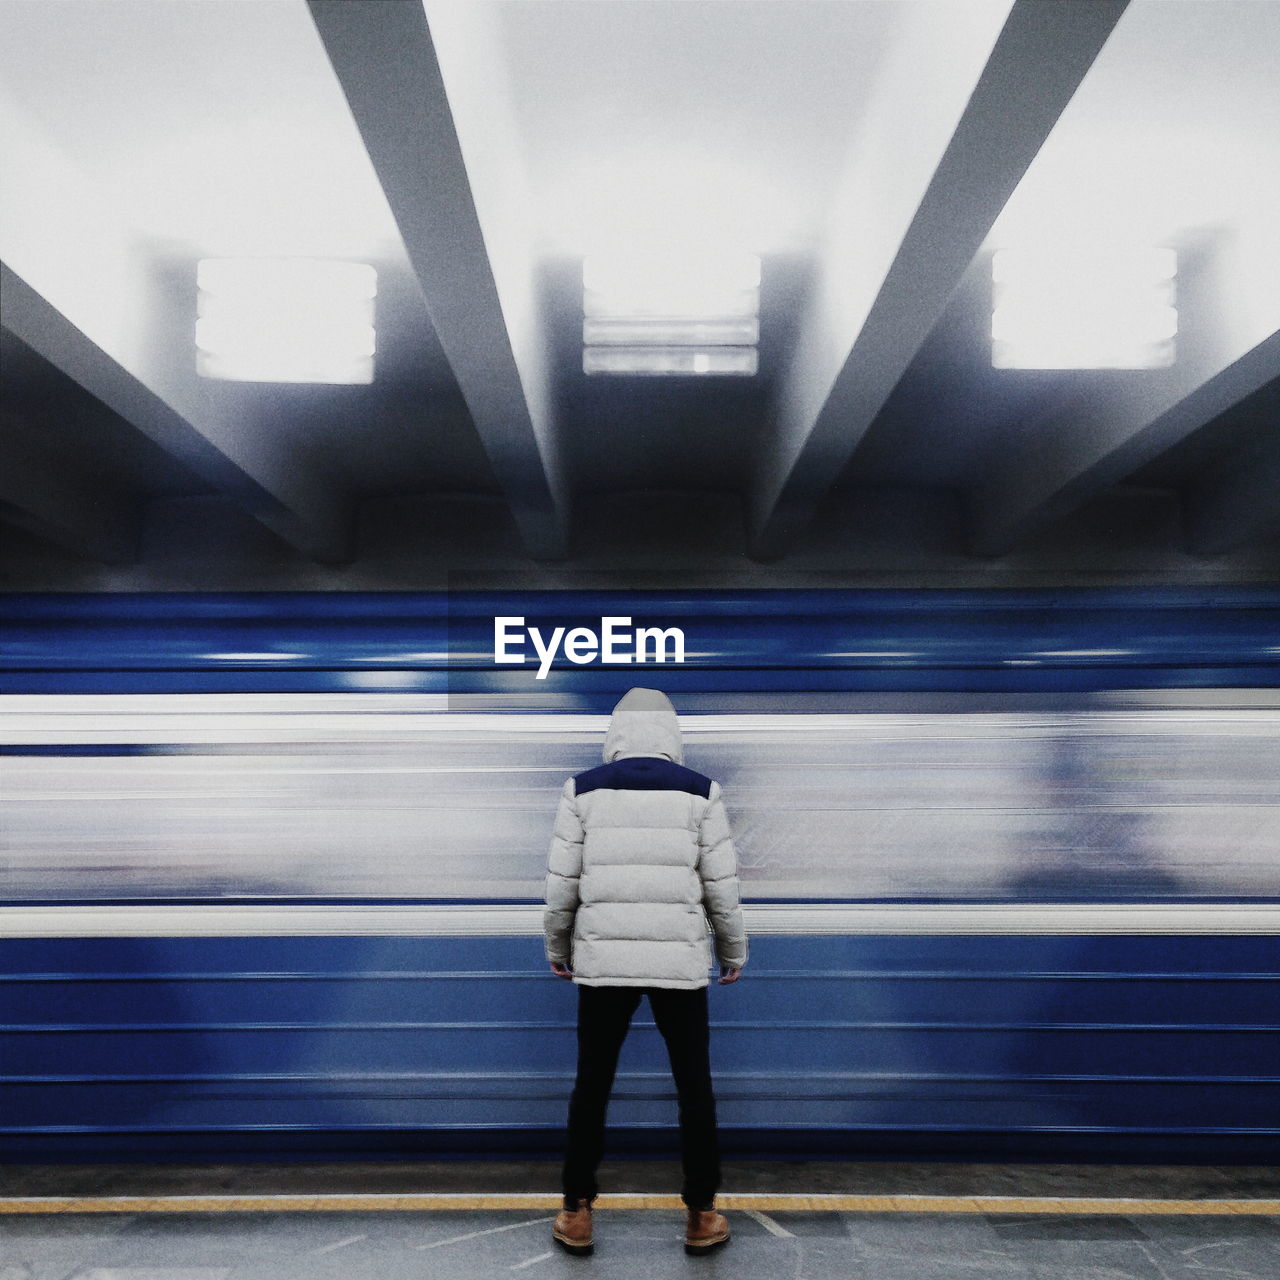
(987, 1222)
(636, 1244)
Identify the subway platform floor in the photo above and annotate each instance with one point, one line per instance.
(808, 1221)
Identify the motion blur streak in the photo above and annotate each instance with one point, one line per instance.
(395, 797)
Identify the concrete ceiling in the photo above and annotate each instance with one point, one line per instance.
(874, 154)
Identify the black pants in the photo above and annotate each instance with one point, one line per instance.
(604, 1016)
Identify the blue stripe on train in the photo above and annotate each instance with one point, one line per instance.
(736, 641)
(1116, 1047)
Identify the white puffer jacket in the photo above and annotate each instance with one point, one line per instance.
(641, 860)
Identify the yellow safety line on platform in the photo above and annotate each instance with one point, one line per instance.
(435, 1202)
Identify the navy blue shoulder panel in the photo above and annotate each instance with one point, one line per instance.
(642, 773)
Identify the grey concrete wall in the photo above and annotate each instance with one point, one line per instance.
(886, 538)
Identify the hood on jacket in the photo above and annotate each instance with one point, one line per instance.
(644, 724)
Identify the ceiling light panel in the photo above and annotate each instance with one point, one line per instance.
(671, 284)
(285, 320)
(671, 333)
(671, 302)
(671, 312)
(1084, 307)
(675, 268)
(671, 361)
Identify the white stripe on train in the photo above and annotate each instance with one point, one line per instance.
(525, 920)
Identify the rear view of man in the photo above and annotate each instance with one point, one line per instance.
(641, 861)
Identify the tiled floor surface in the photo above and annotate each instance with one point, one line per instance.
(637, 1245)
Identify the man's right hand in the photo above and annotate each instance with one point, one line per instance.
(561, 970)
(729, 975)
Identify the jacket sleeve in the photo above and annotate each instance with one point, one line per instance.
(564, 867)
(718, 869)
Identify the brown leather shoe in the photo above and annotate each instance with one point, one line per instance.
(572, 1230)
(704, 1231)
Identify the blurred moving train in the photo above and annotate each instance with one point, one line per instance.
(272, 868)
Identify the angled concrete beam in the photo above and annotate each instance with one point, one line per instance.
(287, 499)
(45, 498)
(440, 155)
(898, 253)
(1240, 500)
(1126, 423)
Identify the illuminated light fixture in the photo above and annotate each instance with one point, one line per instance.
(285, 320)
(671, 333)
(668, 361)
(671, 284)
(670, 304)
(1082, 307)
(671, 312)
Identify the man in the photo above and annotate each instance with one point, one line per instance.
(640, 862)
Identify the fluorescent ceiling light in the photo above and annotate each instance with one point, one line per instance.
(671, 333)
(671, 284)
(1083, 307)
(285, 320)
(671, 312)
(671, 303)
(659, 361)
